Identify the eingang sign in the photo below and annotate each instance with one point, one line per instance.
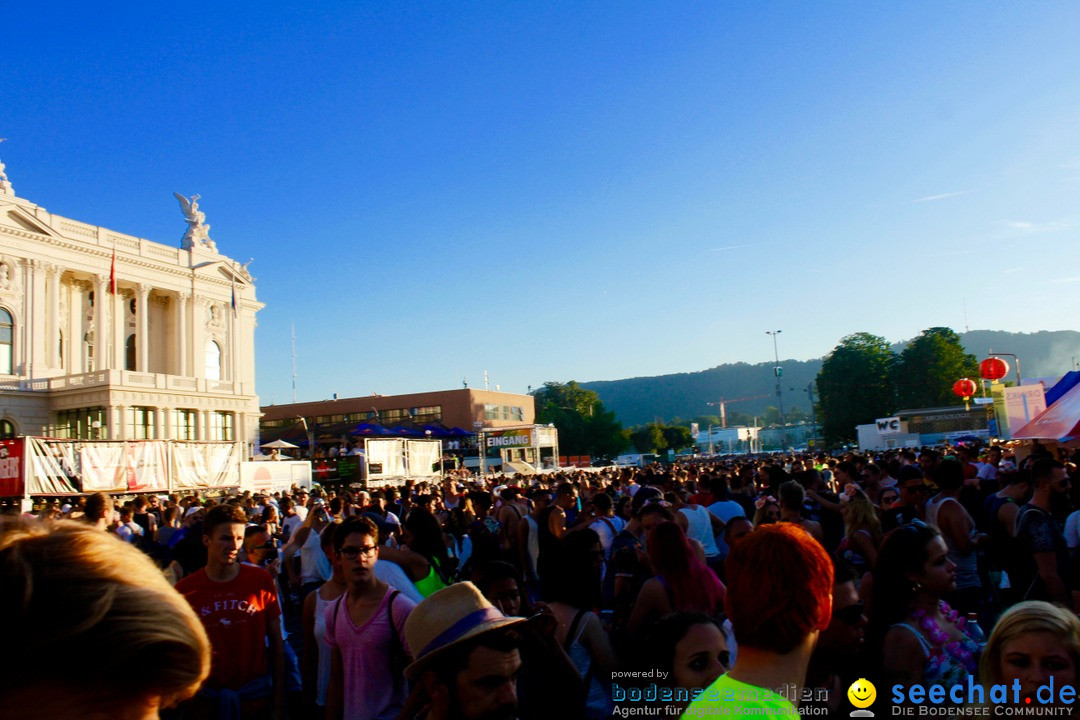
(509, 438)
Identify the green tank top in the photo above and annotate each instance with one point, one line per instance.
(432, 583)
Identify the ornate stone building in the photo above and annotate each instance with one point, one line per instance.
(108, 336)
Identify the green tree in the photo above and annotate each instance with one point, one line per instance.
(929, 366)
(677, 437)
(648, 438)
(855, 385)
(585, 427)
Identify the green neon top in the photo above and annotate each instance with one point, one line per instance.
(726, 694)
(432, 583)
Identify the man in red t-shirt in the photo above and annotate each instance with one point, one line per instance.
(238, 606)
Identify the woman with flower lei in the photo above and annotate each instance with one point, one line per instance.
(767, 510)
(916, 635)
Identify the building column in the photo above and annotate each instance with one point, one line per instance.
(199, 310)
(37, 318)
(159, 423)
(74, 347)
(117, 304)
(101, 328)
(53, 354)
(166, 424)
(183, 328)
(117, 416)
(142, 336)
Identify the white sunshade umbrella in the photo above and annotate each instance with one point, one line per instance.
(279, 445)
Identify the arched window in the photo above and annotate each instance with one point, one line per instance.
(129, 353)
(213, 361)
(7, 430)
(7, 342)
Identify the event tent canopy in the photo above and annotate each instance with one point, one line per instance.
(1060, 421)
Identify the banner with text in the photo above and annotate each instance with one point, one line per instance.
(11, 467)
(498, 439)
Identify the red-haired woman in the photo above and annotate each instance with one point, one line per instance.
(682, 581)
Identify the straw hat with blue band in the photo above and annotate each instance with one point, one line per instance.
(448, 617)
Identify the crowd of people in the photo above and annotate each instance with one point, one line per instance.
(771, 583)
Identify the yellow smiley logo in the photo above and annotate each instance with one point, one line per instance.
(862, 693)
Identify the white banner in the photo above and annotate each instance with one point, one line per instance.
(271, 477)
(59, 467)
(423, 457)
(203, 465)
(50, 467)
(1023, 404)
(124, 466)
(385, 458)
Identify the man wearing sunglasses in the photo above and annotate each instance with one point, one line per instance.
(365, 631)
(835, 662)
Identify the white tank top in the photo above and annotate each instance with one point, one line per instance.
(310, 567)
(323, 675)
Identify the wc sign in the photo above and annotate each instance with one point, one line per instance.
(889, 426)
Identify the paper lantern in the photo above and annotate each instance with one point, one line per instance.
(993, 368)
(965, 387)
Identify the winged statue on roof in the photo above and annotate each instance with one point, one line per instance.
(198, 232)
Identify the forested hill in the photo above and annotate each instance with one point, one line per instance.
(641, 400)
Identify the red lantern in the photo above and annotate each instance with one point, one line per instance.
(965, 388)
(993, 368)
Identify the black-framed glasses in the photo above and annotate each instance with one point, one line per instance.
(851, 615)
(351, 551)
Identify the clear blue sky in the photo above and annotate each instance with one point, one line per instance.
(557, 191)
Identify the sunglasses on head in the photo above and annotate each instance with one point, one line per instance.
(851, 615)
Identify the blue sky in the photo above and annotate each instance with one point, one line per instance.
(557, 191)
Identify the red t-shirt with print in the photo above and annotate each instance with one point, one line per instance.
(236, 615)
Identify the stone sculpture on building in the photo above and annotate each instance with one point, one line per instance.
(198, 232)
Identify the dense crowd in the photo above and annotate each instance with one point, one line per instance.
(770, 583)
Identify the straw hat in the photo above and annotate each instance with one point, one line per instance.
(447, 618)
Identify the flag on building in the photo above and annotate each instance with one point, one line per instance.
(112, 273)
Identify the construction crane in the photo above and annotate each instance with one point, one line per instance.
(722, 404)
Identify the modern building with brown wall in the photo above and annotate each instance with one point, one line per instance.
(461, 408)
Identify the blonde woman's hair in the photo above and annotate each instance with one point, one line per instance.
(1029, 617)
(862, 515)
(73, 595)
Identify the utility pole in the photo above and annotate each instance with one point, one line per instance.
(778, 372)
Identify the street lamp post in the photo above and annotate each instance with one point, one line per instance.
(778, 373)
(809, 390)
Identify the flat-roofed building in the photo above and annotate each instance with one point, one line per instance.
(462, 408)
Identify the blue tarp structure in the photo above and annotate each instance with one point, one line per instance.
(1064, 385)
